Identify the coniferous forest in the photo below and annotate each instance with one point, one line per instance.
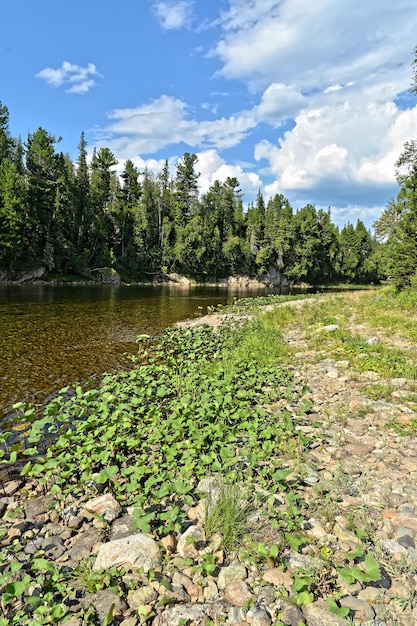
(73, 216)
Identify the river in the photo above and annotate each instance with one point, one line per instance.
(54, 335)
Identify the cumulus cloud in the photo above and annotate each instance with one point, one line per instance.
(310, 44)
(173, 15)
(335, 69)
(75, 77)
(166, 121)
(213, 167)
(355, 143)
(279, 102)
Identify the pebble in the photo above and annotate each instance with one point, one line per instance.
(356, 469)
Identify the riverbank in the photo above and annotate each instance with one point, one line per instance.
(109, 276)
(257, 474)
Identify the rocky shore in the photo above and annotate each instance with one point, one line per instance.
(358, 480)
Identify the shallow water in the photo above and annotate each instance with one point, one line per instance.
(54, 335)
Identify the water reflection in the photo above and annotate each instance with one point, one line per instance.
(51, 336)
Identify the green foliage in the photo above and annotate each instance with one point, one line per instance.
(147, 435)
(397, 225)
(369, 572)
(72, 217)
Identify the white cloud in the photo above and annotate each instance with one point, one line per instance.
(335, 70)
(279, 102)
(213, 167)
(166, 121)
(79, 78)
(173, 15)
(315, 45)
(353, 142)
(210, 166)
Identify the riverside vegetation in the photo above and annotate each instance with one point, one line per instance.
(256, 467)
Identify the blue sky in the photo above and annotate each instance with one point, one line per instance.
(304, 98)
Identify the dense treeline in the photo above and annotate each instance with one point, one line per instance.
(72, 216)
(397, 226)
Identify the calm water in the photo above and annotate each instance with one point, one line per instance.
(51, 336)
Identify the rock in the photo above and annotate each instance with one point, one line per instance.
(122, 527)
(318, 614)
(130, 621)
(258, 617)
(105, 505)
(141, 596)
(347, 539)
(363, 610)
(168, 542)
(134, 551)
(405, 537)
(82, 546)
(191, 542)
(210, 591)
(358, 449)
(231, 574)
(10, 488)
(236, 616)
(392, 547)
(53, 547)
(371, 594)
(292, 615)
(330, 328)
(197, 614)
(37, 506)
(175, 594)
(278, 578)
(103, 601)
(406, 520)
(238, 593)
(305, 562)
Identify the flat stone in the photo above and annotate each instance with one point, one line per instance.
(330, 328)
(105, 505)
(197, 614)
(358, 449)
(135, 551)
(82, 546)
(190, 542)
(10, 488)
(231, 574)
(103, 601)
(122, 527)
(406, 520)
(347, 539)
(304, 561)
(176, 594)
(363, 610)
(37, 506)
(258, 617)
(238, 593)
(53, 547)
(278, 578)
(292, 615)
(318, 614)
(141, 596)
(392, 547)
